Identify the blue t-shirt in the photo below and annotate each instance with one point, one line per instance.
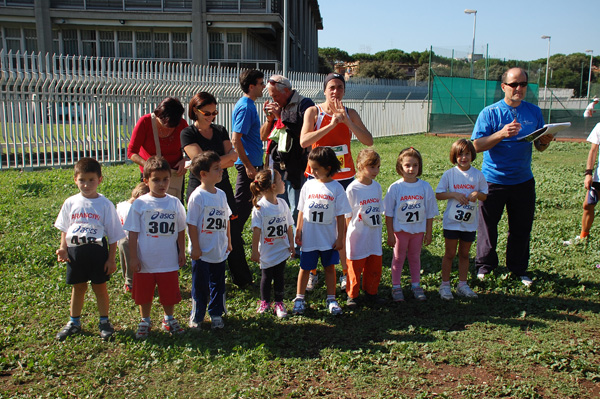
(509, 161)
(246, 121)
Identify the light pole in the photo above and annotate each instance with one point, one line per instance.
(547, 62)
(590, 75)
(474, 12)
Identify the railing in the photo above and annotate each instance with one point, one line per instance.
(57, 109)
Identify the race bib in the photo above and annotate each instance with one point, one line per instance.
(84, 233)
(215, 219)
(462, 213)
(160, 222)
(320, 212)
(411, 212)
(340, 152)
(371, 215)
(274, 227)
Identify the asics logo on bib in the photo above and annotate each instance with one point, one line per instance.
(85, 230)
(216, 212)
(468, 207)
(277, 220)
(317, 205)
(371, 209)
(411, 206)
(160, 215)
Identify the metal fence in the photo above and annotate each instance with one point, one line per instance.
(57, 109)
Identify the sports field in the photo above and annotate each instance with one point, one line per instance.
(511, 342)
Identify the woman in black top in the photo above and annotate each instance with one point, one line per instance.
(204, 135)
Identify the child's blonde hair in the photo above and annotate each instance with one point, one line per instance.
(138, 191)
(367, 157)
(407, 153)
(263, 181)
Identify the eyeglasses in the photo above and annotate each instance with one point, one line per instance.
(515, 84)
(206, 113)
(273, 82)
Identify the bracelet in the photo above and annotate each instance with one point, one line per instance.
(588, 172)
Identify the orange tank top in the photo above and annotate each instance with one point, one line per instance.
(338, 140)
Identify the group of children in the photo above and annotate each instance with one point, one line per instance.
(330, 220)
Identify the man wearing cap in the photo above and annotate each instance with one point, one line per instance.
(589, 110)
(288, 108)
(331, 124)
(507, 169)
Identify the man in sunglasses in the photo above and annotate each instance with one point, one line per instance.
(287, 108)
(507, 169)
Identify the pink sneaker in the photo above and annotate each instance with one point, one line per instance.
(263, 306)
(280, 310)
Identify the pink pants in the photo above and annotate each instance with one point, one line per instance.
(407, 246)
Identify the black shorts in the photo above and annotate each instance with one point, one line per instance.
(466, 236)
(86, 263)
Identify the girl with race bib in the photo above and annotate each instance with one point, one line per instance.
(272, 237)
(463, 186)
(320, 226)
(409, 210)
(363, 237)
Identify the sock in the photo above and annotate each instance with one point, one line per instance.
(146, 319)
(330, 297)
(298, 296)
(461, 283)
(103, 319)
(445, 283)
(584, 234)
(76, 320)
(313, 272)
(415, 285)
(169, 317)
(396, 286)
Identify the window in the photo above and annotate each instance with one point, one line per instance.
(234, 46)
(107, 44)
(161, 45)
(143, 45)
(13, 39)
(226, 46)
(70, 45)
(30, 40)
(180, 45)
(125, 40)
(217, 45)
(88, 42)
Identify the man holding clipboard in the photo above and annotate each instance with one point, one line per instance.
(507, 169)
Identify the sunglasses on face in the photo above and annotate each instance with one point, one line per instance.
(515, 84)
(206, 113)
(272, 82)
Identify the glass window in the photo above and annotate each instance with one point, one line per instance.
(55, 42)
(180, 45)
(107, 44)
(216, 45)
(88, 42)
(234, 46)
(70, 46)
(143, 44)
(13, 39)
(30, 40)
(161, 45)
(125, 40)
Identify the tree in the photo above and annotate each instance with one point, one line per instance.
(333, 55)
(381, 70)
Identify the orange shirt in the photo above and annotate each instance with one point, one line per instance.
(339, 141)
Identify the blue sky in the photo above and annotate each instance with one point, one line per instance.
(512, 29)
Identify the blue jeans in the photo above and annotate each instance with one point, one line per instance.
(208, 287)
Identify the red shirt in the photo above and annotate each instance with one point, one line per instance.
(142, 142)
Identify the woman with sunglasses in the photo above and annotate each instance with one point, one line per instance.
(163, 126)
(204, 135)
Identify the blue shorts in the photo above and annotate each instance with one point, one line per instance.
(309, 260)
(466, 236)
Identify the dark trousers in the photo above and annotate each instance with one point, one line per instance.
(208, 288)
(519, 200)
(276, 275)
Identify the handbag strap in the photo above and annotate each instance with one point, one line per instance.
(155, 132)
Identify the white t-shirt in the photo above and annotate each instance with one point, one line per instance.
(589, 110)
(320, 204)
(87, 220)
(123, 211)
(273, 222)
(461, 217)
(363, 237)
(210, 214)
(410, 204)
(594, 138)
(158, 222)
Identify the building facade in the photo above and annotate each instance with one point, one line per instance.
(230, 33)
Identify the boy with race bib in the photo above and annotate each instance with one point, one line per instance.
(363, 237)
(320, 225)
(272, 237)
(463, 186)
(409, 210)
(156, 226)
(88, 223)
(210, 238)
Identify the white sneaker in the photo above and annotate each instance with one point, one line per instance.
(572, 241)
(481, 276)
(313, 279)
(343, 280)
(216, 322)
(465, 291)
(526, 281)
(397, 294)
(280, 310)
(446, 292)
(334, 307)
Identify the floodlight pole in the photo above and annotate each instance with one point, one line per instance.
(547, 63)
(474, 12)
(590, 75)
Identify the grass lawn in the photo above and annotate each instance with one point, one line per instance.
(511, 342)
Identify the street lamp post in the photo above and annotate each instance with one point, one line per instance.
(590, 75)
(474, 12)
(547, 62)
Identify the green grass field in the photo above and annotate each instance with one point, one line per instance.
(511, 342)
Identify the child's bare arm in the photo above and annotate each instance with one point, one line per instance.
(341, 230)
(111, 264)
(181, 246)
(428, 232)
(299, 223)
(136, 266)
(290, 233)
(196, 251)
(255, 256)
(389, 224)
(61, 252)
(229, 245)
